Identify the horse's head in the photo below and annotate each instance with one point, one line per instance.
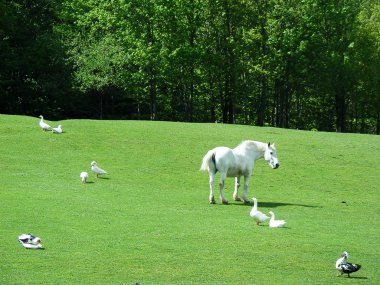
(270, 156)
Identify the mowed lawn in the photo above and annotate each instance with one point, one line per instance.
(149, 220)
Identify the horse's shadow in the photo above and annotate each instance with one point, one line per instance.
(273, 204)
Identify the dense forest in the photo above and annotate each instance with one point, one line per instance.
(306, 64)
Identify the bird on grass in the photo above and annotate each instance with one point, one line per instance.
(275, 223)
(57, 130)
(258, 216)
(345, 267)
(43, 125)
(96, 169)
(30, 241)
(83, 176)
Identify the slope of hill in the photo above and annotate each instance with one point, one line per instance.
(149, 221)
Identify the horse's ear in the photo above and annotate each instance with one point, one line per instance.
(269, 144)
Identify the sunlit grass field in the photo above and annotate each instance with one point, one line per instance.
(149, 221)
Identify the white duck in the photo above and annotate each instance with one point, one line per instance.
(43, 125)
(345, 267)
(258, 216)
(275, 223)
(57, 130)
(96, 169)
(83, 176)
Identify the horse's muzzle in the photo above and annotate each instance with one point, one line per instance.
(276, 166)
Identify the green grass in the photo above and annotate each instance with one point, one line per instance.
(149, 219)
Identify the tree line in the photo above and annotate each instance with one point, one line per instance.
(302, 64)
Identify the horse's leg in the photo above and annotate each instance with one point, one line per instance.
(212, 179)
(221, 186)
(245, 193)
(236, 192)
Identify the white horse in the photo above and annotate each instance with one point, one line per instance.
(235, 163)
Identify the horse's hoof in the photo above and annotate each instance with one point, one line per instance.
(247, 202)
(225, 202)
(237, 199)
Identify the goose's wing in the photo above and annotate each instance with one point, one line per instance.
(98, 170)
(262, 216)
(44, 125)
(257, 214)
(277, 223)
(350, 267)
(57, 130)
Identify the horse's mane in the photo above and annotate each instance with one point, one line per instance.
(250, 143)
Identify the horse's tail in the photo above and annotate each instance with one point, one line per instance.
(207, 159)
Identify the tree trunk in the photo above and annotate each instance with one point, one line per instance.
(264, 52)
(152, 74)
(262, 102)
(340, 105)
(153, 96)
(101, 105)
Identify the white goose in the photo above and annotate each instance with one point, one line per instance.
(258, 216)
(96, 169)
(345, 267)
(275, 223)
(57, 130)
(43, 125)
(83, 176)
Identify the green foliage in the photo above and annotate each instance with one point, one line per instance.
(291, 64)
(99, 65)
(33, 75)
(149, 219)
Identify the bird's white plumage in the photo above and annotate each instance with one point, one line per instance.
(57, 130)
(43, 125)
(84, 176)
(96, 169)
(30, 241)
(338, 264)
(275, 223)
(258, 216)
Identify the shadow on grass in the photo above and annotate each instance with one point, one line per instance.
(354, 277)
(270, 204)
(103, 177)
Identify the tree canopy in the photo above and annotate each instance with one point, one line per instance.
(284, 63)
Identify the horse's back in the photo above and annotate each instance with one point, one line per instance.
(224, 158)
(234, 162)
(213, 157)
(221, 151)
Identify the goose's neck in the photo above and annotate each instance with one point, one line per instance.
(254, 205)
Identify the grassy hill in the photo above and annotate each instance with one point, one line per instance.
(149, 219)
